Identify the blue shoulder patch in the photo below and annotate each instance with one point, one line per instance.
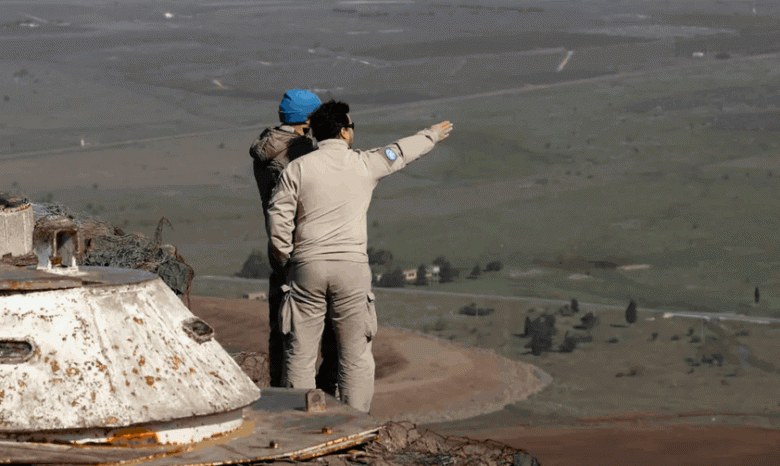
(391, 155)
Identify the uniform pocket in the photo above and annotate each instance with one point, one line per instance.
(285, 313)
(371, 322)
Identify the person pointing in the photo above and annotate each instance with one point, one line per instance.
(318, 227)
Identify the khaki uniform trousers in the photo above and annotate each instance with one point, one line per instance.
(346, 287)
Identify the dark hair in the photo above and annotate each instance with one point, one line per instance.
(326, 122)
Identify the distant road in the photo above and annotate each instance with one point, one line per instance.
(422, 103)
(558, 302)
(555, 302)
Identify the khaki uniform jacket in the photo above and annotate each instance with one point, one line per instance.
(318, 211)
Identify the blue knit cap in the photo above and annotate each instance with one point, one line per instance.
(296, 106)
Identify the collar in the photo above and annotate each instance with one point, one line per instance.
(333, 144)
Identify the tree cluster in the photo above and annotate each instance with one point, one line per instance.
(447, 272)
(394, 279)
(473, 310)
(379, 257)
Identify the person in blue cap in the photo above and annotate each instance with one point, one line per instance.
(271, 152)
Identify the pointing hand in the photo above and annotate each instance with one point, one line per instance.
(441, 130)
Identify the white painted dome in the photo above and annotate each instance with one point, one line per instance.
(103, 348)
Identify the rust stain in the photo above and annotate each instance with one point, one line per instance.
(138, 321)
(192, 370)
(54, 366)
(93, 397)
(21, 384)
(102, 367)
(141, 361)
(135, 371)
(2, 395)
(134, 437)
(149, 380)
(72, 371)
(127, 383)
(110, 420)
(55, 381)
(46, 359)
(73, 403)
(176, 362)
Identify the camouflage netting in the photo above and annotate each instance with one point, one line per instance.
(108, 246)
(255, 365)
(400, 443)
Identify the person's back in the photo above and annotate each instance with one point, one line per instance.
(336, 185)
(318, 227)
(271, 152)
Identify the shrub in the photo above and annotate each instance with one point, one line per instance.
(255, 266)
(394, 279)
(494, 266)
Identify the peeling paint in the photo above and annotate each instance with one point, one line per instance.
(98, 356)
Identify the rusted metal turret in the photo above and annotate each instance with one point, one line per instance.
(90, 351)
(94, 360)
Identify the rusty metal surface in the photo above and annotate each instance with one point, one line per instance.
(12, 452)
(26, 279)
(111, 353)
(279, 418)
(276, 427)
(31, 278)
(315, 400)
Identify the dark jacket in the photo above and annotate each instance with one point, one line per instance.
(271, 152)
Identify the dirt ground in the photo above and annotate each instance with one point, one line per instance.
(419, 378)
(424, 379)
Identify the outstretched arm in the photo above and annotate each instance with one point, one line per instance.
(386, 160)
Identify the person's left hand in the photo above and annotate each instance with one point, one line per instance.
(442, 130)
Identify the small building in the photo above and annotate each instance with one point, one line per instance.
(697, 55)
(410, 275)
(258, 295)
